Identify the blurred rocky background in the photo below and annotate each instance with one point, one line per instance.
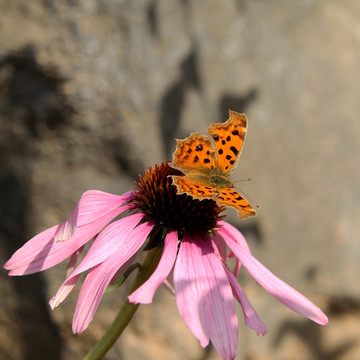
(93, 92)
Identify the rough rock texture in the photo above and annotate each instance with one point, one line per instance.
(93, 92)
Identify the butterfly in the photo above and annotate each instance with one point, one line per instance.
(206, 165)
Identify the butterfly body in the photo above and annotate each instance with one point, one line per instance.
(207, 166)
(217, 181)
(221, 181)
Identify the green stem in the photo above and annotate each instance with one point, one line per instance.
(127, 310)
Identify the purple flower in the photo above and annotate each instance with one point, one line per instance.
(194, 239)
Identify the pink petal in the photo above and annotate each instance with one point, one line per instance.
(122, 270)
(219, 309)
(145, 293)
(94, 204)
(237, 236)
(39, 245)
(220, 245)
(169, 282)
(63, 292)
(107, 242)
(201, 279)
(231, 255)
(252, 319)
(230, 230)
(67, 229)
(104, 246)
(237, 268)
(100, 276)
(73, 260)
(188, 296)
(276, 287)
(42, 252)
(169, 287)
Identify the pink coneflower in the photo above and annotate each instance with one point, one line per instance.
(192, 239)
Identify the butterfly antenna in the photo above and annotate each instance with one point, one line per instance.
(241, 180)
(243, 193)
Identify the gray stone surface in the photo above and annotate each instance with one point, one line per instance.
(94, 92)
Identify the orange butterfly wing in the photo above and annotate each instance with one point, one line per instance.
(193, 186)
(229, 139)
(194, 154)
(197, 158)
(230, 197)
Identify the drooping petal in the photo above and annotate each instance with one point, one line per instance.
(107, 242)
(100, 276)
(219, 311)
(237, 268)
(169, 287)
(63, 292)
(66, 229)
(145, 293)
(188, 295)
(23, 257)
(104, 246)
(67, 287)
(119, 274)
(234, 233)
(169, 282)
(252, 319)
(204, 296)
(42, 252)
(94, 204)
(276, 287)
(73, 260)
(220, 245)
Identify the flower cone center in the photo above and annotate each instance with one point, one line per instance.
(158, 199)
